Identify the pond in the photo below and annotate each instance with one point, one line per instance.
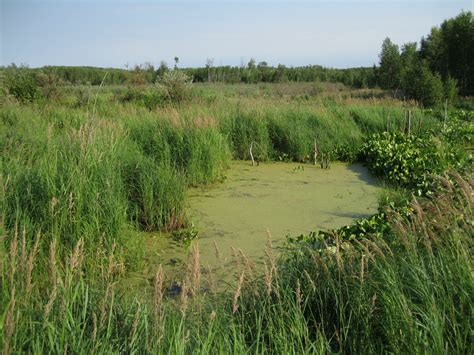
(235, 218)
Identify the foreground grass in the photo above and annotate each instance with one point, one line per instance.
(409, 294)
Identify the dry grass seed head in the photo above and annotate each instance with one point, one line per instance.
(210, 279)
(136, 321)
(105, 303)
(195, 269)
(94, 326)
(310, 280)
(362, 267)
(9, 325)
(77, 256)
(30, 263)
(237, 292)
(268, 277)
(298, 293)
(465, 186)
(23, 246)
(235, 256)
(13, 252)
(248, 263)
(52, 277)
(54, 202)
(158, 293)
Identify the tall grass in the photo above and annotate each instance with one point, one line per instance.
(410, 294)
(74, 185)
(76, 176)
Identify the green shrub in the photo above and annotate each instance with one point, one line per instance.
(174, 86)
(21, 83)
(153, 99)
(403, 160)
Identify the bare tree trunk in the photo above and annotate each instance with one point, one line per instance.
(251, 155)
(315, 152)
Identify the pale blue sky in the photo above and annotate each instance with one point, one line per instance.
(337, 33)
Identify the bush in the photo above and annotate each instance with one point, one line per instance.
(152, 99)
(22, 84)
(48, 84)
(175, 86)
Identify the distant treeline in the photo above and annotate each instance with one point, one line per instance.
(441, 67)
(250, 73)
(262, 72)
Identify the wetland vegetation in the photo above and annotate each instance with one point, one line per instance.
(124, 207)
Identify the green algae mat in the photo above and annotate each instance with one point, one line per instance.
(234, 218)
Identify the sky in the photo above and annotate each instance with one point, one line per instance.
(106, 33)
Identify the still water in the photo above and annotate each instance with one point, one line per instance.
(234, 218)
